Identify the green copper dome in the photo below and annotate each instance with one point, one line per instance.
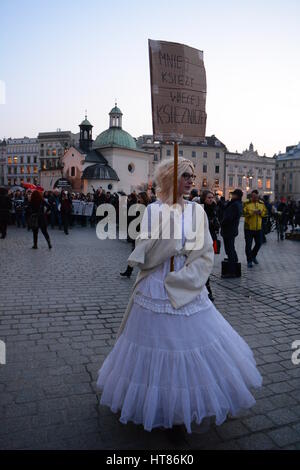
(116, 110)
(115, 137)
(85, 122)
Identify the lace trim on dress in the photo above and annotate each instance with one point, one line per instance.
(165, 306)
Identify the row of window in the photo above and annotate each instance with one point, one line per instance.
(283, 177)
(21, 169)
(283, 187)
(169, 153)
(248, 171)
(49, 153)
(22, 148)
(14, 181)
(249, 182)
(21, 160)
(284, 165)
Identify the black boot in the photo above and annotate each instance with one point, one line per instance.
(49, 243)
(127, 272)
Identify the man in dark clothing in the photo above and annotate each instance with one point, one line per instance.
(230, 228)
(5, 206)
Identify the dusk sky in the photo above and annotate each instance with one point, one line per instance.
(59, 58)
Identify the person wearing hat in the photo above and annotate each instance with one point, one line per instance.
(254, 211)
(230, 229)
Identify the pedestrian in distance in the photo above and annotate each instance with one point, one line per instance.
(38, 210)
(5, 207)
(231, 214)
(254, 211)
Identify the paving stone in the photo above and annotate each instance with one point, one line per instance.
(258, 423)
(284, 436)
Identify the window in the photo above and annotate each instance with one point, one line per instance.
(193, 154)
(155, 157)
(28, 159)
(204, 168)
(290, 186)
(268, 183)
(9, 181)
(54, 152)
(73, 171)
(204, 182)
(268, 171)
(230, 181)
(230, 168)
(15, 170)
(42, 153)
(9, 170)
(217, 169)
(48, 152)
(217, 182)
(21, 160)
(260, 172)
(28, 169)
(217, 154)
(131, 168)
(205, 154)
(259, 183)
(28, 179)
(283, 165)
(22, 170)
(168, 152)
(15, 160)
(250, 182)
(240, 181)
(276, 176)
(9, 160)
(35, 159)
(181, 153)
(35, 169)
(291, 163)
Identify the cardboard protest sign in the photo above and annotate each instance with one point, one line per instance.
(178, 91)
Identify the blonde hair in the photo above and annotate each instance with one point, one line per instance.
(164, 176)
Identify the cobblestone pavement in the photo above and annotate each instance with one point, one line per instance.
(60, 310)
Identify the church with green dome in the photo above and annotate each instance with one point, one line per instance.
(115, 136)
(112, 161)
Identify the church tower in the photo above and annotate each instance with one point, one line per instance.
(85, 139)
(115, 118)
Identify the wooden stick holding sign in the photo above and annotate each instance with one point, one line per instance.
(178, 96)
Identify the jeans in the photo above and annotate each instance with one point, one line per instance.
(251, 235)
(230, 249)
(20, 219)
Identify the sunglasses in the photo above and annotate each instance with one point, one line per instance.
(187, 176)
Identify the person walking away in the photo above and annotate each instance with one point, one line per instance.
(5, 207)
(254, 211)
(231, 214)
(19, 209)
(38, 208)
(66, 211)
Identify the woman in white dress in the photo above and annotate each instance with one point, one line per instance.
(176, 359)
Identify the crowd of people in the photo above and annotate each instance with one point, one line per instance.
(223, 216)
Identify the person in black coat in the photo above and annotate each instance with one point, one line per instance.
(5, 206)
(38, 207)
(230, 226)
(208, 200)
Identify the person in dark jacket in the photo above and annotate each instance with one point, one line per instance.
(208, 200)
(5, 206)
(38, 209)
(65, 210)
(230, 227)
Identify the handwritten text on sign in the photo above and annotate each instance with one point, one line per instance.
(178, 86)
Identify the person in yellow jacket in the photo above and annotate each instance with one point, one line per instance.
(254, 210)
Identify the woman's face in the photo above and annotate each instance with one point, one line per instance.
(186, 182)
(209, 199)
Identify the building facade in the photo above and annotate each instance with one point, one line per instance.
(248, 171)
(287, 175)
(208, 158)
(2, 161)
(22, 161)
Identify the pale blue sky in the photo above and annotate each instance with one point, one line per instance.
(58, 58)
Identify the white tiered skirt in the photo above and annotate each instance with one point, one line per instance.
(177, 369)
